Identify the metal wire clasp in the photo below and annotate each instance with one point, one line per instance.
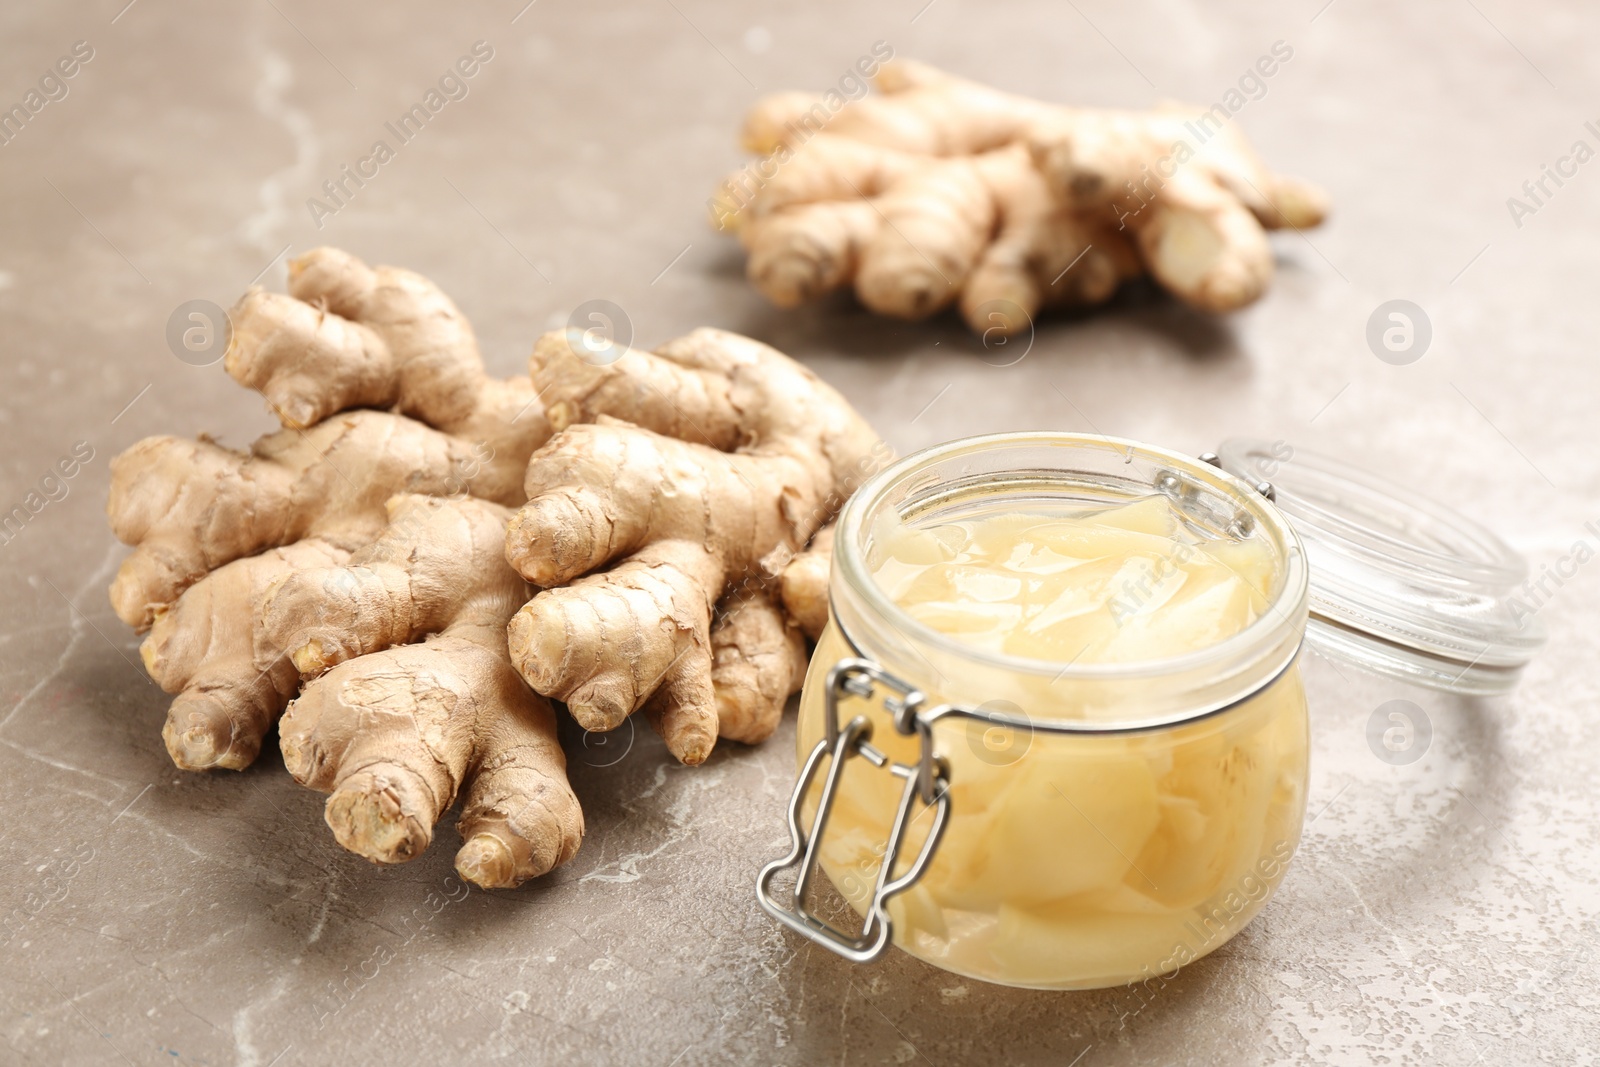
(929, 780)
(1265, 488)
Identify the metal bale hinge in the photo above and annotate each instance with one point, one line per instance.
(928, 780)
(1265, 488)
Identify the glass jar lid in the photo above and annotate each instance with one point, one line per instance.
(1400, 585)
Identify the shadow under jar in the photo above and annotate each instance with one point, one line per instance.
(1068, 823)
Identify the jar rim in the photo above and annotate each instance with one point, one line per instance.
(1263, 636)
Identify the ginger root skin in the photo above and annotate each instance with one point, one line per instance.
(359, 579)
(940, 191)
(805, 585)
(734, 456)
(395, 731)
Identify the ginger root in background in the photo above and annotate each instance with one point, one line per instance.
(349, 573)
(941, 190)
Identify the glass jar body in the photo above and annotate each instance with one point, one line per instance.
(1104, 821)
(1074, 861)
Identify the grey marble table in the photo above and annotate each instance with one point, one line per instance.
(1440, 912)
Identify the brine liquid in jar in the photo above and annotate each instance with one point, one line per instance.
(1086, 859)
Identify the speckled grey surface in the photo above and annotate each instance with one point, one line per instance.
(1439, 912)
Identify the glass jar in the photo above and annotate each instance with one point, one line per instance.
(1042, 824)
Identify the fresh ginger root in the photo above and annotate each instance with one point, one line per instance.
(942, 190)
(757, 659)
(212, 527)
(396, 730)
(361, 553)
(735, 456)
(804, 587)
(309, 521)
(758, 649)
(190, 507)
